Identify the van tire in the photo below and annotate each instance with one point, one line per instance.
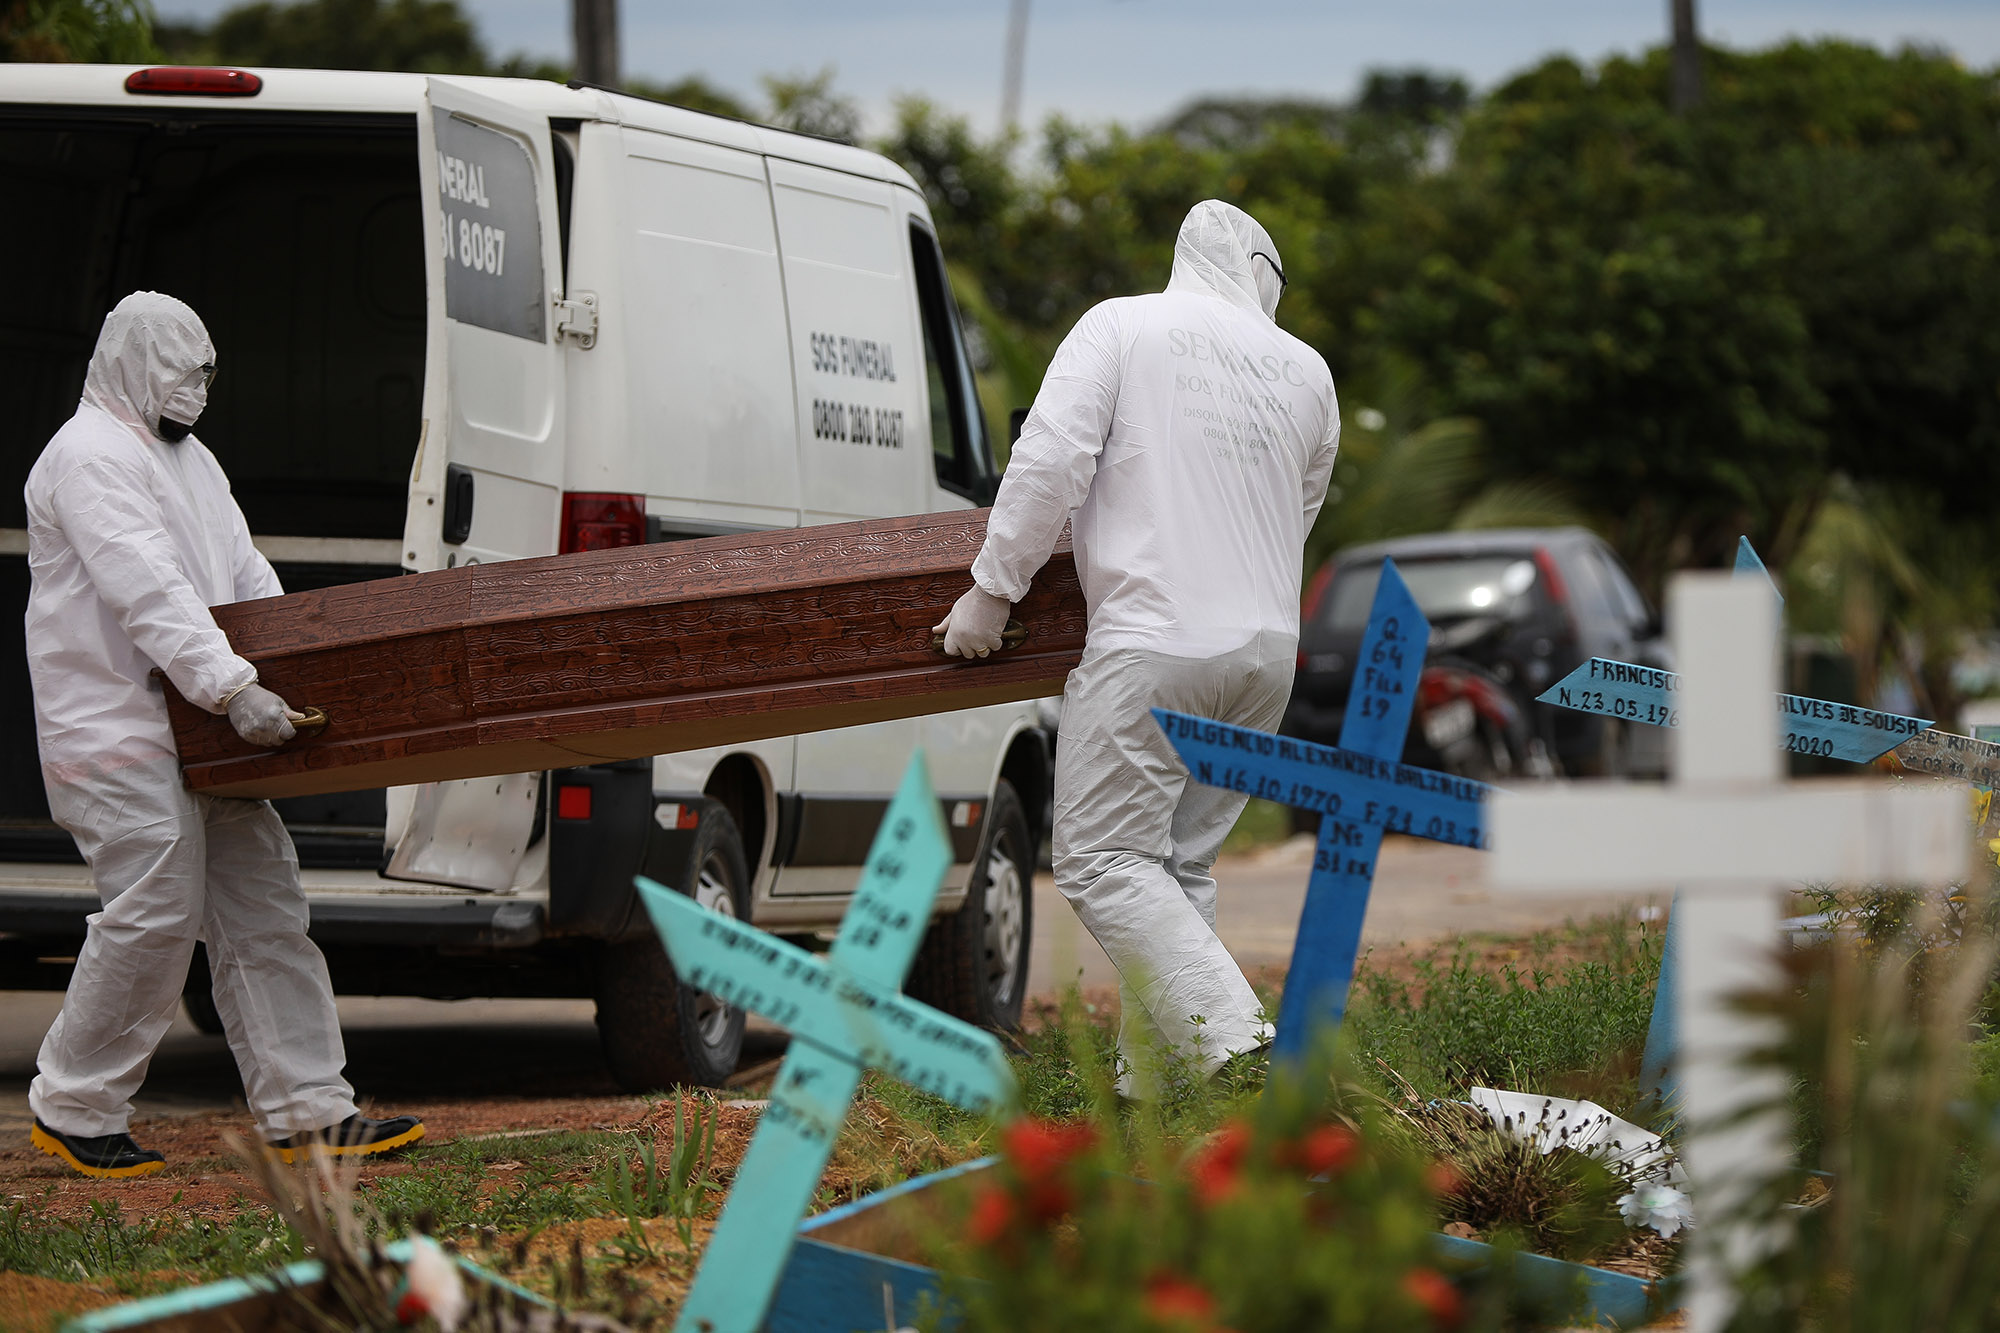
(656, 1032)
(973, 964)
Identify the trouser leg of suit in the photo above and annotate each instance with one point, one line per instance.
(1135, 837)
(172, 867)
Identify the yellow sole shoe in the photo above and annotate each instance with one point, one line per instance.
(102, 1158)
(373, 1138)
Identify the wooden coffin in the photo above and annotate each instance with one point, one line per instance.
(580, 659)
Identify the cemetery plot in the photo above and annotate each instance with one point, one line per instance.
(845, 1015)
(1360, 791)
(1733, 835)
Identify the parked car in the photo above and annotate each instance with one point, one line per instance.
(470, 319)
(1515, 609)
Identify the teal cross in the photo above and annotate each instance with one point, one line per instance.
(846, 1014)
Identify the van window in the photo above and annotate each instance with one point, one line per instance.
(299, 241)
(959, 441)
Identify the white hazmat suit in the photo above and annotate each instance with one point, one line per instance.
(130, 540)
(1188, 440)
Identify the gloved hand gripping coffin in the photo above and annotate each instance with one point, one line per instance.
(604, 655)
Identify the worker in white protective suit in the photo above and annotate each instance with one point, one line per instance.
(132, 537)
(1187, 440)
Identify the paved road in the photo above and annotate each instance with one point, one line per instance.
(410, 1051)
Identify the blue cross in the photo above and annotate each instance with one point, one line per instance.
(846, 1013)
(1361, 791)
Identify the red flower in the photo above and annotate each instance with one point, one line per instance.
(1048, 1200)
(1326, 1150)
(1443, 1179)
(1439, 1299)
(1172, 1299)
(992, 1216)
(1039, 1148)
(1217, 1165)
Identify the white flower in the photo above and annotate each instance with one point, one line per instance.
(1661, 1207)
(435, 1287)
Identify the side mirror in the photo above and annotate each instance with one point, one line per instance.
(1015, 420)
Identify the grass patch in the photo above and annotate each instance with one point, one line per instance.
(1261, 824)
(144, 1255)
(1567, 1014)
(1569, 1019)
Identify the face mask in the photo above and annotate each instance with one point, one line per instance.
(184, 405)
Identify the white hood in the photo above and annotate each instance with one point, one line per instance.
(1212, 254)
(147, 356)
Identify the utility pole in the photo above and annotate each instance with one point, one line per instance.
(1687, 58)
(594, 33)
(1017, 56)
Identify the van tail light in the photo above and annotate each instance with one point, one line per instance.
(1316, 593)
(594, 522)
(1552, 579)
(572, 802)
(193, 81)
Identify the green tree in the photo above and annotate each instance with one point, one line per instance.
(809, 105)
(114, 31)
(433, 36)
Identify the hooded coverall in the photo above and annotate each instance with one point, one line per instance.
(1187, 440)
(130, 541)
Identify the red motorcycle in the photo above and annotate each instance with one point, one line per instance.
(1467, 722)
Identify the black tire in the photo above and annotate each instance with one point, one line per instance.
(198, 996)
(973, 964)
(657, 1033)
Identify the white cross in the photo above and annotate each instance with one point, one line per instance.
(1734, 837)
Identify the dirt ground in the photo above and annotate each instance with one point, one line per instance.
(204, 1180)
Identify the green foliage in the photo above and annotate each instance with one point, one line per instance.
(694, 93)
(808, 105)
(1562, 1203)
(106, 1246)
(1575, 1030)
(681, 1189)
(110, 31)
(433, 36)
(1088, 1225)
(1905, 1109)
(1261, 824)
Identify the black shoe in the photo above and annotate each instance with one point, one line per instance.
(108, 1157)
(356, 1136)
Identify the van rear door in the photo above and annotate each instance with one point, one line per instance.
(487, 483)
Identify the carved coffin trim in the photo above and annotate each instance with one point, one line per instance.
(563, 660)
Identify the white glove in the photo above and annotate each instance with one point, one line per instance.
(260, 717)
(972, 627)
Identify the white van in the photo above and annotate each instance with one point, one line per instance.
(479, 319)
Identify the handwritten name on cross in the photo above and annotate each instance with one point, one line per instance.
(1650, 696)
(1733, 836)
(1360, 791)
(1809, 726)
(846, 1014)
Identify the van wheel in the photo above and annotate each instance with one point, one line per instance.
(656, 1032)
(198, 995)
(973, 964)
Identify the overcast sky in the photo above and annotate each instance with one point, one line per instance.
(1135, 60)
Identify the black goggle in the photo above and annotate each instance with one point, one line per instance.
(1259, 254)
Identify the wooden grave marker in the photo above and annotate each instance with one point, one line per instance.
(1732, 836)
(1361, 791)
(1810, 726)
(846, 1014)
